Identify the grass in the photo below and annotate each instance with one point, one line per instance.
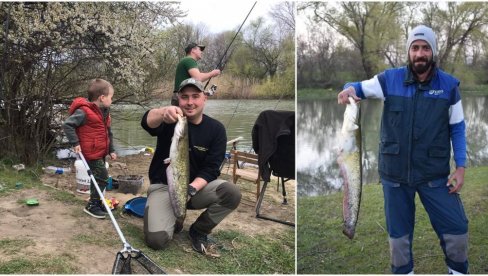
(10, 246)
(241, 253)
(45, 264)
(323, 249)
(316, 94)
(9, 179)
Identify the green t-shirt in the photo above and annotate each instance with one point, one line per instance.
(182, 68)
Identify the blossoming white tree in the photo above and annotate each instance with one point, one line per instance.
(50, 50)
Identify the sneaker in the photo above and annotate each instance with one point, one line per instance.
(94, 210)
(102, 207)
(198, 241)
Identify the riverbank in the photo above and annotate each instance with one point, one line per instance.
(229, 87)
(323, 249)
(58, 237)
(327, 94)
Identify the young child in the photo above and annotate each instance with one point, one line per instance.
(88, 131)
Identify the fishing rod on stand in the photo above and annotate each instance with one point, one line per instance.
(213, 88)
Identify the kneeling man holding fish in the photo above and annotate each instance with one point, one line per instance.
(183, 172)
(422, 116)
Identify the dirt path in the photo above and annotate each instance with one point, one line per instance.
(57, 228)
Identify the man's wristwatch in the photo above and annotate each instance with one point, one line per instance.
(192, 191)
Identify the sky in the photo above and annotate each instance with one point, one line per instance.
(220, 15)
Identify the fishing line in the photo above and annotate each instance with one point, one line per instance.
(237, 106)
(232, 41)
(126, 143)
(220, 63)
(279, 100)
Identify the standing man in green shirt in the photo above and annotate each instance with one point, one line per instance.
(188, 68)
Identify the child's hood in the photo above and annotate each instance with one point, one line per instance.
(79, 102)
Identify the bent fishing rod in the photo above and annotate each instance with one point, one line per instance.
(225, 53)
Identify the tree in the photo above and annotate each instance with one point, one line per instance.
(264, 45)
(171, 44)
(456, 26)
(371, 27)
(284, 15)
(51, 50)
(272, 45)
(378, 32)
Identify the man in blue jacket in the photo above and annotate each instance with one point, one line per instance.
(422, 116)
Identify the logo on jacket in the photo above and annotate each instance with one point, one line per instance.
(202, 149)
(436, 92)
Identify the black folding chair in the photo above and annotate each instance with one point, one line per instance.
(273, 139)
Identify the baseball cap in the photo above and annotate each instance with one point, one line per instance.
(193, 45)
(192, 82)
(425, 33)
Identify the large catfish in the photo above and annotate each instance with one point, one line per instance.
(350, 166)
(178, 170)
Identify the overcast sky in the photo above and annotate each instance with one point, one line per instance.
(220, 15)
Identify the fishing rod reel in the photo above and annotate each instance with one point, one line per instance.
(211, 91)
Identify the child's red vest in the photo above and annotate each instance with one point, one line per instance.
(93, 135)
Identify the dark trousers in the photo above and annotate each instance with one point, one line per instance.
(100, 173)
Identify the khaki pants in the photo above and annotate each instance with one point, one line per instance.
(219, 197)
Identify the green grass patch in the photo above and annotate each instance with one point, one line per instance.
(11, 180)
(474, 90)
(64, 197)
(11, 246)
(94, 238)
(316, 94)
(239, 254)
(46, 264)
(323, 249)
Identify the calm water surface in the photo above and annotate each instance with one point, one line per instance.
(319, 124)
(238, 116)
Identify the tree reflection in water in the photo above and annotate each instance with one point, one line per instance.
(319, 124)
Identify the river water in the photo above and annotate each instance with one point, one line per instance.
(238, 116)
(318, 126)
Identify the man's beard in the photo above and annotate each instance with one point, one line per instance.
(421, 68)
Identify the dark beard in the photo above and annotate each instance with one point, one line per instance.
(421, 68)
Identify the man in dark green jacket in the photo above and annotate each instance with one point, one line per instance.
(188, 68)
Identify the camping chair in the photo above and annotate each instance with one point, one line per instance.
(273, 139)
(228, 155)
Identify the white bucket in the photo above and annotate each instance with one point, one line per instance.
(82, 178)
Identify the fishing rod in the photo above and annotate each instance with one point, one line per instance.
(214, 87)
